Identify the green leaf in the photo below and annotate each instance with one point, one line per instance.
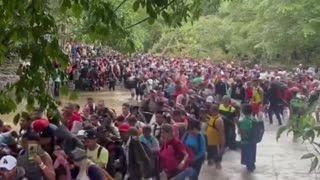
(85, 4)
(151, 11)
(311, 135)
(143, 3)
(165, 16)
(280, 131)
(314, 164)
(308, 30)
(30, 103)
(73, 96)
(316, 147)
(24, 115)
(77, 10)
(308, 156)
(151, 20)
(59, 103)
(136, 5)
(16, 119)
(66, 4)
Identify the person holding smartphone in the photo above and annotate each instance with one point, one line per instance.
(36, 162)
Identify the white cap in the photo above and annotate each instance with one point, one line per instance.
(209, 99)
(81, 132)
(8, 162)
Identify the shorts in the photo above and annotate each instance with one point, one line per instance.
(213, 153)
(255, 108)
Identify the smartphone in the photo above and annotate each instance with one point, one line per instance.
(32, 150)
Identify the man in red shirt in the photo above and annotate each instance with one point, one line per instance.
(176, 162)
(70, 116)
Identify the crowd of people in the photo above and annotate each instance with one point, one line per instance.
(190, 113)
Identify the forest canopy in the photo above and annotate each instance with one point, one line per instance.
(256, 30)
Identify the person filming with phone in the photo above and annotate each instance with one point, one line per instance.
(36, 162)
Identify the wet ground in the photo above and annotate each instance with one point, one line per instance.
(275, 160)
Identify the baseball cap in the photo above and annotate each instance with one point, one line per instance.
(90, 134)
(8, 162)
(81, 133)
(78, 154)
(124, 128)
(209, 99)
(40, 125)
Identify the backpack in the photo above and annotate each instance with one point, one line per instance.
(104, 173)
(257, 131)
(185, 136)
(150, 171)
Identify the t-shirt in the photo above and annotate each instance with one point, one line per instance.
(171, 89)
(70, 121)
(178, 147)
(257, 95)
(197, 144)
(212, 132)
(245, 129)
(103, 157)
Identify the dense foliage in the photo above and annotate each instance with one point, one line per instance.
(33, 30)
(259, 30)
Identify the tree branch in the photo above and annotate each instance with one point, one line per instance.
(122, 3)
(137, 23)
(146, 18)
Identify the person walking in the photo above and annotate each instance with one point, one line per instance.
(248, 147)
(195, 140)
(215, 137)
(174, 156)
(229, 115)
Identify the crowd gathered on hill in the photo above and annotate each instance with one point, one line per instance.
(190, 113)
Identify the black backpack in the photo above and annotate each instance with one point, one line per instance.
(257, 131)
(150, 168)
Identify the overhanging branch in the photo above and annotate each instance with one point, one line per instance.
(122, 3)
(146, 18)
